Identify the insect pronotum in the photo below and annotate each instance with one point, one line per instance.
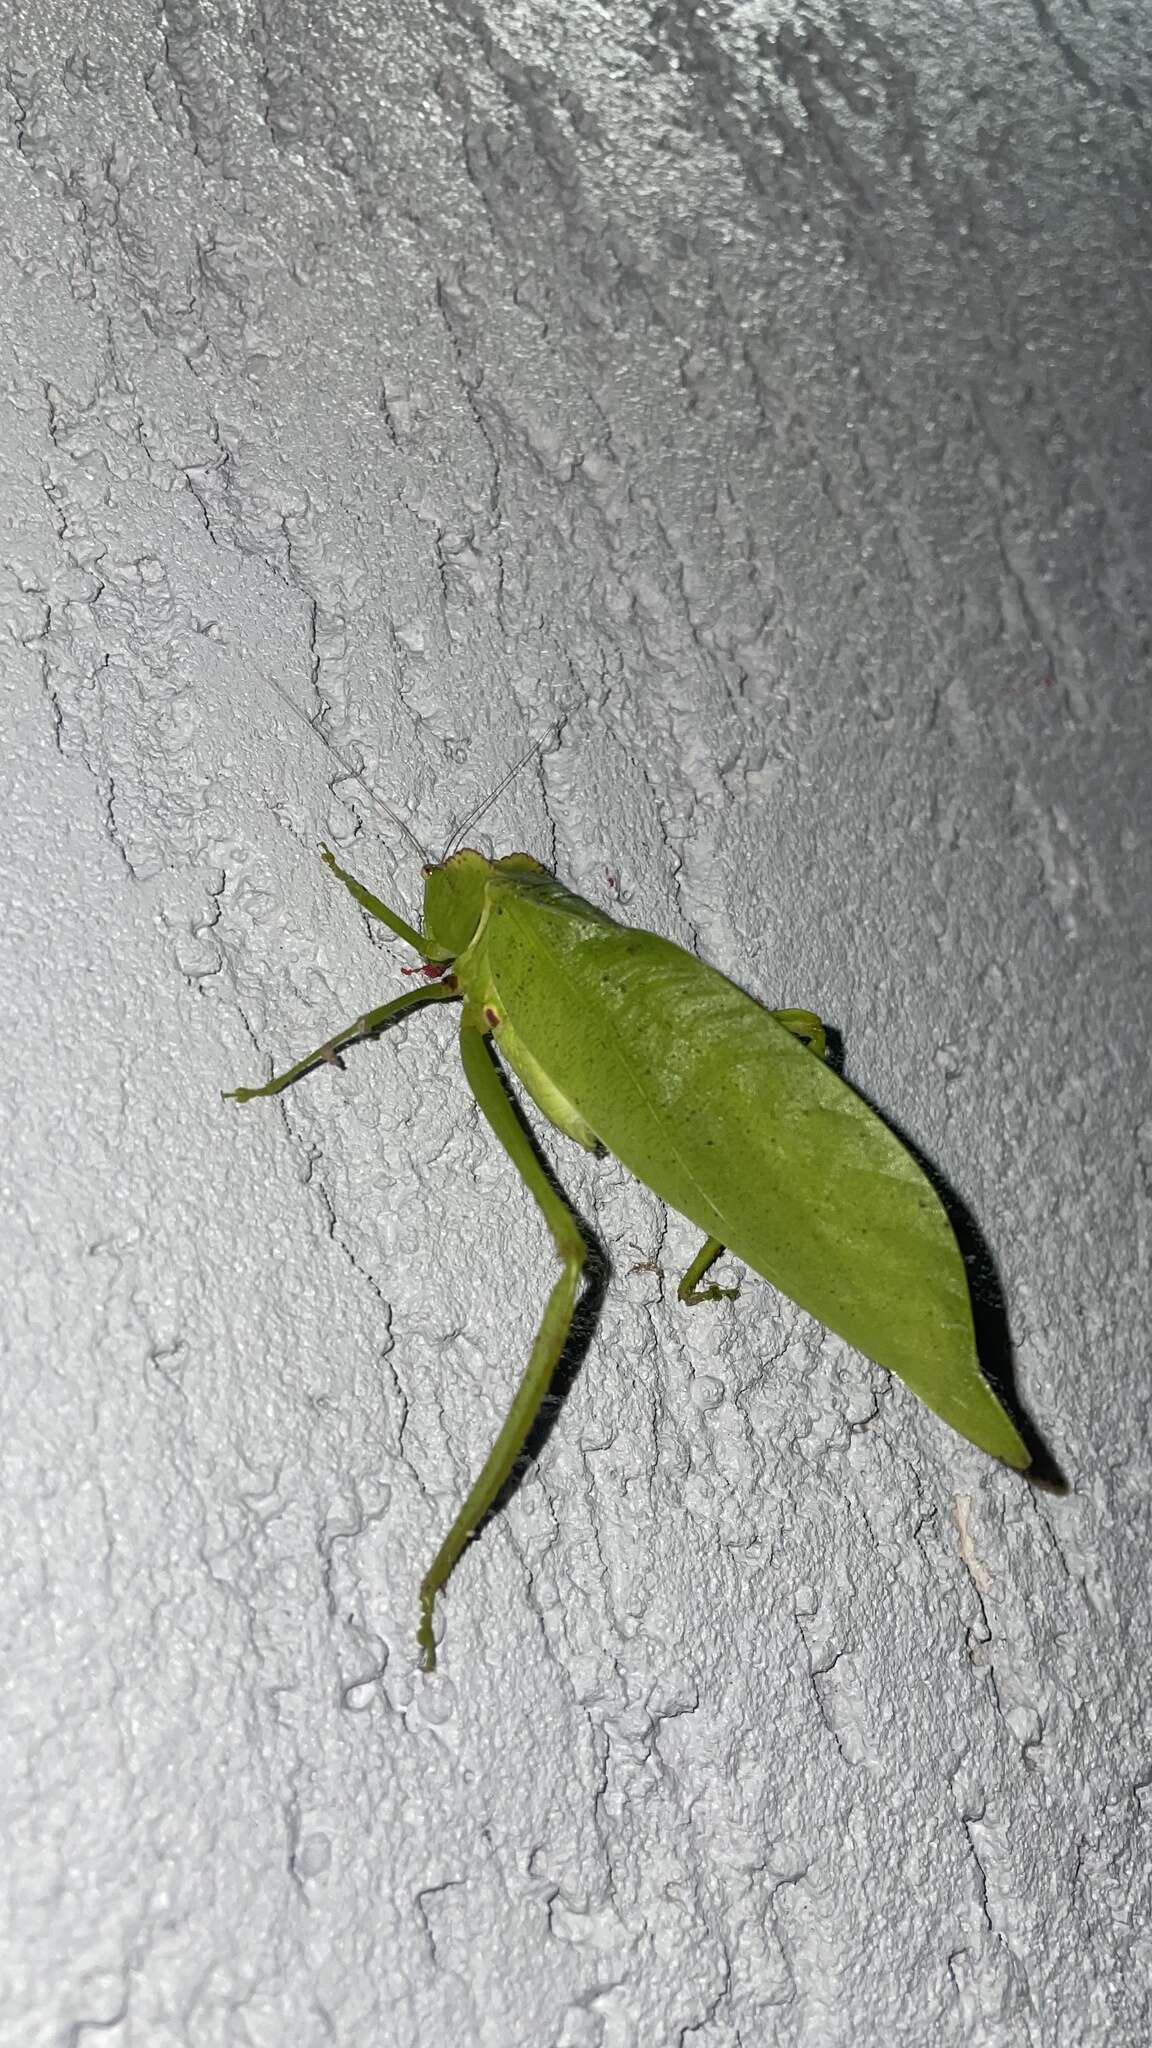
(726, 1110)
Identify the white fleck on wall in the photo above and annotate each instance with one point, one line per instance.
(753, 402)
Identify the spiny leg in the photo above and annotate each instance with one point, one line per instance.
(805, 1025)
(365, 1027)
(488, 1088)
(373, 905)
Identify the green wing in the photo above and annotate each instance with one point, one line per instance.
(731, 1120)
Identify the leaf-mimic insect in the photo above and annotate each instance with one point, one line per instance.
(726, 1110)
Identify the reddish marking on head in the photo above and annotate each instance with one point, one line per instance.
(492, 1017)
(430, 969)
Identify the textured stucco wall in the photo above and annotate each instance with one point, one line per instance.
(762, 395)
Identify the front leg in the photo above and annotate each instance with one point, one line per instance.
(375, 908)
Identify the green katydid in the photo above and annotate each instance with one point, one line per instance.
(726, 1110)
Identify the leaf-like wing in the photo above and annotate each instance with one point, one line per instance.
(731, 1120)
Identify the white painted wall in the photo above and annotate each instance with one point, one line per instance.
(764, 395)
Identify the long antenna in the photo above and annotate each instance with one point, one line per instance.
(487, 802)
(354, 773)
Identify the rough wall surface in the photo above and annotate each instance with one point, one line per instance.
(754, 399)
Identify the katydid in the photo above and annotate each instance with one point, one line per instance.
(726, 1110)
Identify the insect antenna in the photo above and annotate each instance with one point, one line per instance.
(355, 774)
(487, 802)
